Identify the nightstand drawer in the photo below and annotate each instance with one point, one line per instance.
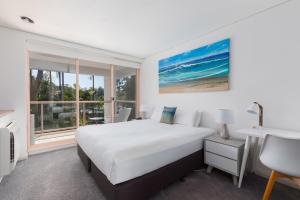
(221, 149)
(222, 163)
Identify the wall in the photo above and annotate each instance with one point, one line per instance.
(264, 68)
(13, 61)
(12, 79)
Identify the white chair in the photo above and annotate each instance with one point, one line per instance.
(123, 115)
(282, 155)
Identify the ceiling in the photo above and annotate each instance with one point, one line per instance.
(135, 27)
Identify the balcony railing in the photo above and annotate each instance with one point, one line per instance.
(53, 116)
(92, 112)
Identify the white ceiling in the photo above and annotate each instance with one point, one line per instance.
(135, 27)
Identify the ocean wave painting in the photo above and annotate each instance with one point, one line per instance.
(202, 69)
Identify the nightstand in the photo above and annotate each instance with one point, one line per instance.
(225, 155)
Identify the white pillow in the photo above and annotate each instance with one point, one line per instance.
(185, 117)
(156, 114)
(189, 118)
(147, 111)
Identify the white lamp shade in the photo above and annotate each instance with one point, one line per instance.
(224, 116)
(253, 109)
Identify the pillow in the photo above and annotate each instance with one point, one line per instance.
(156, 114)
(185, 117)
(146, 111)
(168, 115)
(189, 118)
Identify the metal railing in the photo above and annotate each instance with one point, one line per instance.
(84, 112)
(40, 112)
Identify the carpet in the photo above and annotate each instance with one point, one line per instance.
(60, 175)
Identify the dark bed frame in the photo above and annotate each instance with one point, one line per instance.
(145, 186)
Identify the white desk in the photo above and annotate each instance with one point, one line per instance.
(257, 133)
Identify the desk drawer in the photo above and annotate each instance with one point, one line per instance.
(221, 149)
(231, 166)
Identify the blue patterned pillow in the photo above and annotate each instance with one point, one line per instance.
(168, 115)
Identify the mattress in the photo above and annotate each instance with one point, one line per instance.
(126, 150)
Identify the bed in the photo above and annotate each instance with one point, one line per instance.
(133, 160)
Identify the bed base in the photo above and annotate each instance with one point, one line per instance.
(86, 161)
(145, 186)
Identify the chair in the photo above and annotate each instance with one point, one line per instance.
(123, 115)
(282, 155)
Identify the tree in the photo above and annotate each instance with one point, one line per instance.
(126, 88)
(35, 84)
(43, 89)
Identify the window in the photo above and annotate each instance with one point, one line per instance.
(52, 93)
(125, 90)
(66, 93)
(94, 93)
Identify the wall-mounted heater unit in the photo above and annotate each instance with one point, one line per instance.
(9, 148)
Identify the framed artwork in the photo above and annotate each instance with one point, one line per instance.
(202, 69)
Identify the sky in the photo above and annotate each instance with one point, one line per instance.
(84, 80)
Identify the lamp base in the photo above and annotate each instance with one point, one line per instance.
(223, 133)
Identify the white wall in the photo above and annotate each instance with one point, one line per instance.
(264, 67)
(13, 45)
(12, 79)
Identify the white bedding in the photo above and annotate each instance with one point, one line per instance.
(126, 150)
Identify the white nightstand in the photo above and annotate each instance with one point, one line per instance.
(225, 155)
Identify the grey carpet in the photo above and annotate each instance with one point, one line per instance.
(59, 175)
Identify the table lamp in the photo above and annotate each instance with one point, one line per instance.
(224, 117)
(257, 109)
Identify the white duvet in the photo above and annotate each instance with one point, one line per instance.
(126, 150)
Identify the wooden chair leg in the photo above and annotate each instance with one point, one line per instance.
(272, 180)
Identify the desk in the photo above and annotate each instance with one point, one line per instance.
(257, 133)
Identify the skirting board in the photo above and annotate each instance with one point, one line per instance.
(45, 150)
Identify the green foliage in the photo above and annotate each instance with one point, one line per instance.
(69, 93)
(126, 88)
(42, 89)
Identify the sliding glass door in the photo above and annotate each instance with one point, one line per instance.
(125, 90)
(52, 96)
(94, 93)
(67, 93)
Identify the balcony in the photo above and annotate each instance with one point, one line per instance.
(66, 93)
(56, 120)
